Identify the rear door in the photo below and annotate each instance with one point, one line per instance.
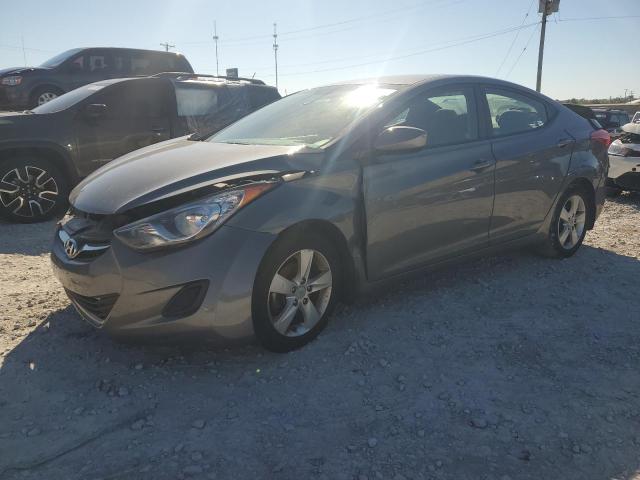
(532, 154)
(137, 115)
(424, 206)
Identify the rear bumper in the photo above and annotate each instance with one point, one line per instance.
(126, 292)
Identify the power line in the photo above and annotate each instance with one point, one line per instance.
(515, 38)
(522, 52)
(579, 19)
(251, 40)
(476, 38)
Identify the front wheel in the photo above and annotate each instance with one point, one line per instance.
(31, 190)
(43, 95)
(295, 291)
(569, 224)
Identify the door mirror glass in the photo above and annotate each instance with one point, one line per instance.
(95, 110)
(400, 139)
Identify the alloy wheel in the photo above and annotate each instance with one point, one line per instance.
(571, 222)
(28, 191)
(299, 293)
(46, 97)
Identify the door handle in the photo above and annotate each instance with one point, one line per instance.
(481, 164)
(563, 142)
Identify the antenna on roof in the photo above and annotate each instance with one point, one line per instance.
(167, 46)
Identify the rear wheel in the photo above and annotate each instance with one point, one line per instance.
(569, 224)
(31, 189)
(295, 291)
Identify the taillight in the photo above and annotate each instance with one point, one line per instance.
(601, 136)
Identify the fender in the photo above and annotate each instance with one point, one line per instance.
(29, 145)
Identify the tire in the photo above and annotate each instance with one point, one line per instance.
(292, 310)
(31, 189)
(559, 243)
(43, 95)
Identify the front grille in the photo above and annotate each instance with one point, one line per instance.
(95, 309)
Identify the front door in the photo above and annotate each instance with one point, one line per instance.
(425, 206)
(136, 115)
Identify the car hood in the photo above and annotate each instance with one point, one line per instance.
(174, 167)
(18, 70)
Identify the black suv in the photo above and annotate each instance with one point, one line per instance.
(46, 151)
(32, 86)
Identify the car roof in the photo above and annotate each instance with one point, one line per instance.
(131, 50)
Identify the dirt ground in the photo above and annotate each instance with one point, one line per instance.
(509, 367)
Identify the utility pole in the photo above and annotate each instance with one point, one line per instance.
(167, 46)
(24, 52)
(215, 39)
(625, 95)
(546, 7)
(275, 50)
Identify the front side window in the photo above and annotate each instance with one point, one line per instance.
(309, 118)
(448, 117)
(512, 112)
(60, 58)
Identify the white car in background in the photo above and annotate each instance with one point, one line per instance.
(624, 160)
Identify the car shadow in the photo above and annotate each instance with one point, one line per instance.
(631, 199)
(508, 365)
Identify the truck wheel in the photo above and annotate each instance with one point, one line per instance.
(31, 189)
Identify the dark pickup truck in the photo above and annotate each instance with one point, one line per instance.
(44, 152)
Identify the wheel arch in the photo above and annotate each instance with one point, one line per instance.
(49, 152)
(587, 187)
(328, 230)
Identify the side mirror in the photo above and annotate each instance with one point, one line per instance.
(95, 110)
(400, 139)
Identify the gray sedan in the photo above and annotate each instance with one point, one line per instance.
(260, 229)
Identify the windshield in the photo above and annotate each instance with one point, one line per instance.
(68, 99)
(312, 117)
(61, 57)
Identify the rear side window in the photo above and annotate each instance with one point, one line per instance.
(195, 101)
(144, 98)
(140, 64)
(512, 112)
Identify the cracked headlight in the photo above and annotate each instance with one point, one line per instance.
(190, 221)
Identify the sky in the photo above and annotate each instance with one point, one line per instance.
(326, 41)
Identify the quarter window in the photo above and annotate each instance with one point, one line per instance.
(514, 113)
(448, 117)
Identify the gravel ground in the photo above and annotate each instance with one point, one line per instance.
(507, 367)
